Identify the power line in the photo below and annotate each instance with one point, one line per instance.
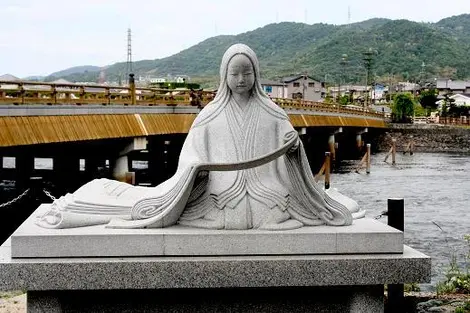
(129, 54)
(349, 15)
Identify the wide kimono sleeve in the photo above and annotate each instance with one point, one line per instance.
(310, 203)
(121, 205)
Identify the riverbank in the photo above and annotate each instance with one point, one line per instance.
(426, 138)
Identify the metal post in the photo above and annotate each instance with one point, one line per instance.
(35, 188)
(368, 159)
(394, 150)
(327, 170)
(396, 219)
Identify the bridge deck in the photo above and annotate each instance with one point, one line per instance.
(26, 130)
(36, 113)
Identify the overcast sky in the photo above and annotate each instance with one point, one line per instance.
(38, 37)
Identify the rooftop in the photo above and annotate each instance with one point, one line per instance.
(271, 82)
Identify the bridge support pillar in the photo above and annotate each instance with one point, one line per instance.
(158, 159)
(121, 164)
(1, 164)
(359, 141)
(92, 165)
(67, 170)
(333, 145)
(24, 167)
(164, 153)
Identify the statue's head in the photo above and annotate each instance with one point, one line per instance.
(239, 70)
(239, 73)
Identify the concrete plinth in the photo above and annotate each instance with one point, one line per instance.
(364, 236)
(287, 283)
(177, 269)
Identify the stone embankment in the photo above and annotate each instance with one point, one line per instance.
(426, 138)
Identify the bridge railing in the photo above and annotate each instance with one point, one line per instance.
(295, 104)
(30, 93)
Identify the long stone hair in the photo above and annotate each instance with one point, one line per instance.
(224, 93)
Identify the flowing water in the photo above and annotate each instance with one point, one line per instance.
(436, 189)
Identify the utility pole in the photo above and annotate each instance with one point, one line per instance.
(304, 91)
(343, 62)
(422, 75)
(368, 60)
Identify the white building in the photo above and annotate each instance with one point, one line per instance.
(460, 100)
(274, 89)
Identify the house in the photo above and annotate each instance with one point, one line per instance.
(405, 87)
(355, 92)
(304, 87)
(460, 99)
(445, 86)
(274, 89)
(6, 78)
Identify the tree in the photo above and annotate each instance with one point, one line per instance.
(344, 100)
(403, 108)
(428, 99)
(328, 98)
(448, 105)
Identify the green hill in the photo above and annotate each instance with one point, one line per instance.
(400, 48)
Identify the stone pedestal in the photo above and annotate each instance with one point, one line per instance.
(331, 269)
(282, 283)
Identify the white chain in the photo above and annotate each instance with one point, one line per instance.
(49, 195)
(14, 200)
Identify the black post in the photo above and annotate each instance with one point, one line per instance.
(396, 219)
(36, 184)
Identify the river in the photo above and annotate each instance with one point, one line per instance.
(436, 188)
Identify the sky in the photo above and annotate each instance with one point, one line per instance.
(39, 37)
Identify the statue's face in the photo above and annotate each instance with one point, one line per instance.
(240, 75)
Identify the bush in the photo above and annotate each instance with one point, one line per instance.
(457, 279)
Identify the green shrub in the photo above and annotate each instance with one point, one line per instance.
(411, 287)
(457, 279)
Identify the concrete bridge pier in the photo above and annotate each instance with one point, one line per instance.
(359, 139)
(24, 168)
(67, 170)
(121, 163)
(93, 164)
(164, 151)
(333, 145)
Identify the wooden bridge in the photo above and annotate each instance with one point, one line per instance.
(39, 113)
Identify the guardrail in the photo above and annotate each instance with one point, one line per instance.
(30, 93)
(462, 120)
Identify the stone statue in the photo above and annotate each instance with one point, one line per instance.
(242, 166)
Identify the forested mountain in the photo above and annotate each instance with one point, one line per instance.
(401, 50)
(75, 70)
